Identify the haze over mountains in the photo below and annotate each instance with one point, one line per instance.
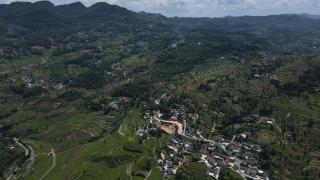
(212, 8)
(50, 21)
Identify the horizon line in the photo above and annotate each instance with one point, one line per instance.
(158, 13)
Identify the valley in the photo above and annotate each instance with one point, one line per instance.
(102, 92)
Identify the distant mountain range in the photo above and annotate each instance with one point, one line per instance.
(76, 6)
(310, 16)
(21, 20)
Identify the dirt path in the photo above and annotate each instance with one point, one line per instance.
(149, 173)
(9, 178)
(19, 107)
(90, 133)
(53, 164)
(120, 130)
(129, 171)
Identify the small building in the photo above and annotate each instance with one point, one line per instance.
(114, 105)
(140, 132)
(244, 135)
(214, 172)
(188, 146)
(154, 132)
(172, 148)
(173, 118)
(160, 162)
(162, 155)
(169, 164)
(204, 150)
(252, 171)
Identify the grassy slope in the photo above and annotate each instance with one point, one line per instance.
(77, 161)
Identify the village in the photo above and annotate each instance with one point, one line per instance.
(235, 154)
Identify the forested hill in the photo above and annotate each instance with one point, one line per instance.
(42, 23)
(25, 24)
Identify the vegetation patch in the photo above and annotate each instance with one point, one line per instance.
(133, 147)
(114, 161)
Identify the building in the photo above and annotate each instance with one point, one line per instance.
(169, 129)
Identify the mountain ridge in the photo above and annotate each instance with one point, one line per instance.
(105, 5)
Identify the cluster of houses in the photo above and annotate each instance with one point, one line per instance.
(114, 103)
(9, 53)
(236, 154)
(171, 157)
(258, 119)
(31, 84)
(38, 50)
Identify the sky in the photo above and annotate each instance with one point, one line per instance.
(209, 8)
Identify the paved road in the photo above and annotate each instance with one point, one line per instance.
(53, 164)
(29, 161)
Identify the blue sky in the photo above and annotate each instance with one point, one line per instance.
(210, 8)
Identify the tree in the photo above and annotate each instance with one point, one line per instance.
(310, 122)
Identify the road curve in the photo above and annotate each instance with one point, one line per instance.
(53, 164)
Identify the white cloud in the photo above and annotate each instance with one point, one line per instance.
(210, 7)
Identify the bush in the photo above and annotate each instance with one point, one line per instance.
(133, 147)
(227, 174)
(89, 80)
(114, 161)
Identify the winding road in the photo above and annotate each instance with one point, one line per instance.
(53, 164)
(29, 161)
(25, 149)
